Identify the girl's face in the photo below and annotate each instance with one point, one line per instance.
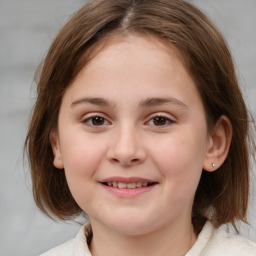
(132, 137)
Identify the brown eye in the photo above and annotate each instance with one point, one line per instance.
(160, 120)
(97, 121)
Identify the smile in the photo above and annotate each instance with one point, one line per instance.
(131, 185)
(128, 187)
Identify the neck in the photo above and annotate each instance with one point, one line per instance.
(174, 241)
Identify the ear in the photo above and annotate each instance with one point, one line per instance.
(219, 144)
(54, 139)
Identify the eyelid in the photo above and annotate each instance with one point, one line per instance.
(162, 114)
(89, 116)
(167, 116)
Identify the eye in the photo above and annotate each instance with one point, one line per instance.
(160, 121)
(96, 121)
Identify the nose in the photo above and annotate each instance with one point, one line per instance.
(126, 148)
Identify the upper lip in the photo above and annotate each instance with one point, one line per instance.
(127, 179)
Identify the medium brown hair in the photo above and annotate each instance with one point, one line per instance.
(222, 195)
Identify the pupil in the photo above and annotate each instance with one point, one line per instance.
(98, 120)
(159, 121)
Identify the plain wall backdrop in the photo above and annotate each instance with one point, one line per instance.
(27, 28)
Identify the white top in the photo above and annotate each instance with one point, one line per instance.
(210, 242)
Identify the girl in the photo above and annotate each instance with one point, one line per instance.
(140, 123)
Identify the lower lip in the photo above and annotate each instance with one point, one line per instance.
(128, 192)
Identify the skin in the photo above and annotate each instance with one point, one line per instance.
(128, 139)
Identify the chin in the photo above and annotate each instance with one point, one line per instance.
(132, 225)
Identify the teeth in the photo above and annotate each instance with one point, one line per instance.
(121, 185)
(131, 185)
(128, 185)
(139, 184)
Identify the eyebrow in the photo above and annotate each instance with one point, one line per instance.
(93, 101)
(149, 102)
(153, 102)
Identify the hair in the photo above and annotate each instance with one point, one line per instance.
(222, 195)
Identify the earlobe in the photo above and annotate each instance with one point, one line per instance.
(57, 162)
(219, 144)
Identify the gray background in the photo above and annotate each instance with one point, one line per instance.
(26, 29)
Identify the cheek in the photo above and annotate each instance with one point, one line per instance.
(81, 154)
(179, 158)
(81, 157)
(179, 153)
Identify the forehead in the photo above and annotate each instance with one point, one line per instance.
(130, 51)
(134, 66)
(132, 42)
(114, 42)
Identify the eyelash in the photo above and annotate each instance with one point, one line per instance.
(167, 121)
(88, 121)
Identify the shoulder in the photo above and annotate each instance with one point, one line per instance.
(227, 244)
(61, 250)
(76, 246)
(212, 242)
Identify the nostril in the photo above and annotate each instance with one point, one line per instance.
(125, 161)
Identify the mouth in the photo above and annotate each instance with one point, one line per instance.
(130, 185)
